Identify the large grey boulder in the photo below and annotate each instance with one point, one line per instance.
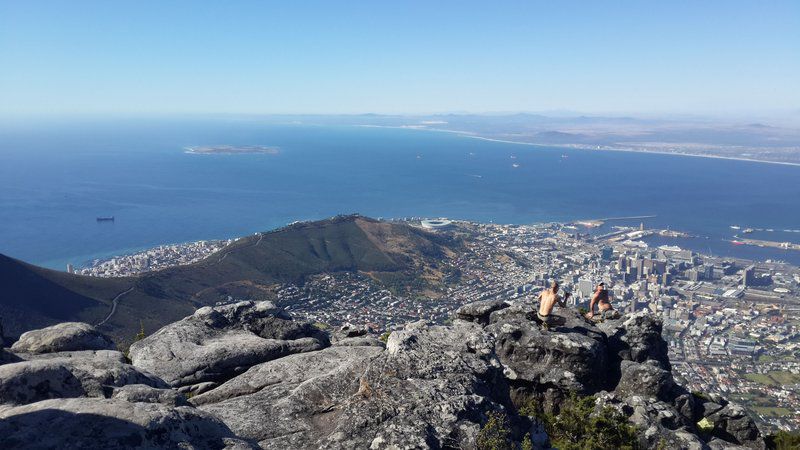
(431, 387)
(62, 337)
(732, 424)
(645, 379)
(636, 337)
(83, 423)
(215, 344)
(571, 357)
(30, 381)
(291, 402)
(480, 311)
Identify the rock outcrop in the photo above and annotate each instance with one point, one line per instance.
(572, 357)
(215, 344)
(254, 377)
(431, 388)
(31, 381)
(112, 423)
(645, 379)
(636, 337)
(349, 335)
(732, 424)
(480, 311)
(77, 396)
(63, 337)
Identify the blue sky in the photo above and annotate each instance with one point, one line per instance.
(161, 57)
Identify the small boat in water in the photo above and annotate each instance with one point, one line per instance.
(105, 219)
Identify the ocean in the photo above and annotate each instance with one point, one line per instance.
(57, 177)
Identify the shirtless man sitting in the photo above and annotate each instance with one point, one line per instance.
(547, 299)
(604, 307)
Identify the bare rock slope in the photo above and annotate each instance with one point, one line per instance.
(260, 379)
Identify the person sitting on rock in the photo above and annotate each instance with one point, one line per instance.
(605, 310)
(547, 299)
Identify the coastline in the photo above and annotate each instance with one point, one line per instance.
(215, 246)
(473, 135)
(653, 152)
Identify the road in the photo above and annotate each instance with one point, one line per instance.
(114, 306)
(121, 294)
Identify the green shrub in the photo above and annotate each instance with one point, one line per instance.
(702, 396)
(495, 434)
(784, 440)
(140, 335)
(385, 336)
(578, 427)
(531, 409)
(526, 443)
(322, 326)
(125, 346)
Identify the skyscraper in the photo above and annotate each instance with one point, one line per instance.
(622, 263)
(749, 276)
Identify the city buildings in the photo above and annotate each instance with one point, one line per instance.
(733, 326)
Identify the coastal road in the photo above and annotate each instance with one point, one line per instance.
(113, 306)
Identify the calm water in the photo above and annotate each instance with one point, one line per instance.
(55, 179)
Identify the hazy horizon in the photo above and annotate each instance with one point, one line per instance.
(716, 59)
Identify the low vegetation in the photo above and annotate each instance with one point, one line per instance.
(322, 326)
(772, 411)
(495, 434)
(783, 440)
(577, 426)
(775, 378)
(125, 345)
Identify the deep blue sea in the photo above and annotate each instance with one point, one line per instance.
(56, 178)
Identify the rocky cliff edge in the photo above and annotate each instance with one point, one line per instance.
(246, 375)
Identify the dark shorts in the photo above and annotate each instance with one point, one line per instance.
(547, 320)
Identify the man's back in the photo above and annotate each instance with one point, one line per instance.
(547, 300)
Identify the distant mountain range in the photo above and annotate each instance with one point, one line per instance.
(33, 297)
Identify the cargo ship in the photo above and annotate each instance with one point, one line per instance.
(105, 219)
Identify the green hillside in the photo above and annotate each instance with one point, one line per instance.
(248, 268)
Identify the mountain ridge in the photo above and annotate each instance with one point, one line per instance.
(247, 268)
